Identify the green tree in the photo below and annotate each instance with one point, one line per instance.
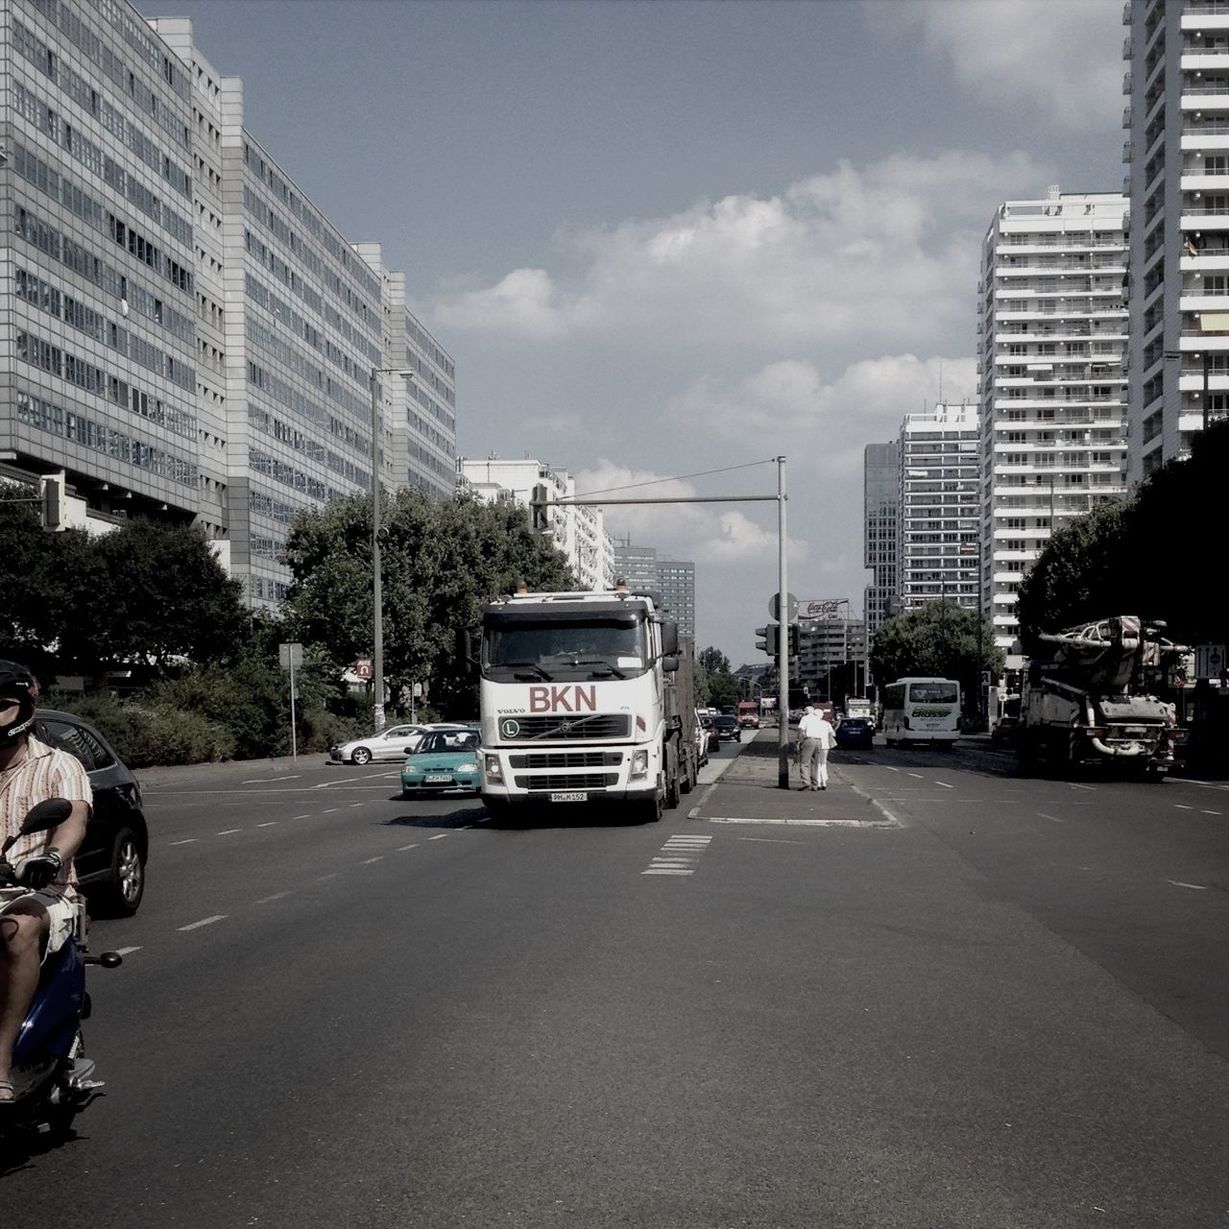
(442, 561)
(940, 640)
(719, 684)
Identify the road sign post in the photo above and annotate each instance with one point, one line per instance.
(290, 655)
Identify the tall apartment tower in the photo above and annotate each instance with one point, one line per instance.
(578, 532)
(1177, 155)
(880, 492)
(939, 507)
(1052, 333)
(636, 564)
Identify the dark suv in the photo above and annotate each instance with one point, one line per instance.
(728, 727)
(111, 861)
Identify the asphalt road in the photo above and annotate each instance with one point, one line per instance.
(1000, 1003)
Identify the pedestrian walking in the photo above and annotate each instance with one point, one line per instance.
(816, 738)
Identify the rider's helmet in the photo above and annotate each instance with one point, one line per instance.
(17, 683)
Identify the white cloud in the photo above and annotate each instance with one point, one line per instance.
(873, 256)
(1056, 58)
(787, 405)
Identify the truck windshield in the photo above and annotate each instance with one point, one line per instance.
(560, 649)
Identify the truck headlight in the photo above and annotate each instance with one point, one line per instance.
(493, 770)
(640, 764)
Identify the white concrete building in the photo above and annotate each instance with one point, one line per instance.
(1052, 381)
(1177, 154)
(578, 532)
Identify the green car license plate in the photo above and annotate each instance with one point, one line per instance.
(437, 778)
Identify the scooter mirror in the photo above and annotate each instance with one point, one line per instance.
(45, 815)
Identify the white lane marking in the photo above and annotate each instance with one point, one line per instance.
(891, 769)
(294, 776)
(1052, 817)
(439, 836)
(228, 832)
(1195, 887)
(1203, 812)
(267, 824)
(264, 900)
(1183, 807)
(916, 774)
(347, 780)
(1206, 784)
(403, 848)
(663, 871)
(1092, 789)
(330, 810)
(890, 822)
(369, 861)
(945, 785)
(205, 921)
(770, 840)
(306, 816)
(190, 840)
(358, 804)
(127, 951)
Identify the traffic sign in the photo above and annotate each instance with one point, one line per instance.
(791, 605)
(362, 667)
(1209, 660)
(290, 656)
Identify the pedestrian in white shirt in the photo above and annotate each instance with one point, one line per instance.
(815, 738)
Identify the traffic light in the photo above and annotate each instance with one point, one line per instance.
(795, 639)
(766, 639)
(541, 517)
(55, 502)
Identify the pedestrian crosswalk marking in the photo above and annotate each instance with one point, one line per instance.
(678, 856)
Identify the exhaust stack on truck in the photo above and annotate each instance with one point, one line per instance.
(585, 698)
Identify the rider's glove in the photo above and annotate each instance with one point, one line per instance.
(39, 871)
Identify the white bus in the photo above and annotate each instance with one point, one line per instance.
(921, 710)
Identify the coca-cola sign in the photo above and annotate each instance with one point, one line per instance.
(822, 608)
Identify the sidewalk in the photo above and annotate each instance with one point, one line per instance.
(747, 792)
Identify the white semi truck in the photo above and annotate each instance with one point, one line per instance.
(585, 698)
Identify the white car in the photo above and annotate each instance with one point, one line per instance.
(390, 744)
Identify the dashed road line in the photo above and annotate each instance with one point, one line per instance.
(945, 785)
(1054, 818)
(188, 840)
(916, 774)
(1183, 807)
(369, 861)
(265, 900)
(228, 832)
(269, 823)
(439, 836)
(307, 815)
(358, 804)
(403, 848)
(330, 875)
(330, 810)
(1203, 812)
(1092, 789)
(205, 921)
(770, 840)
(265, 780)
(127, 951)
(1195, 887)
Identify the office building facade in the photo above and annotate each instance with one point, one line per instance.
(189, 337)
(676, 582)
(1052, 382)
(880, 493)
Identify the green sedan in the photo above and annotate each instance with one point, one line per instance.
(446, 761)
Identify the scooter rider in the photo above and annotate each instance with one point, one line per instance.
(37, 924)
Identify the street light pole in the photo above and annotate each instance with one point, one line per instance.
(783, 615)
(377, 580)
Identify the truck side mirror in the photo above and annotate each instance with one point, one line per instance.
(465, 654)
(670, 662)
(670, 639)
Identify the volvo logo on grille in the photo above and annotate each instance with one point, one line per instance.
(564, 727)
(509, 728)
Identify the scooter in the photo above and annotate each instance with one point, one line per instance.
(52, 1078)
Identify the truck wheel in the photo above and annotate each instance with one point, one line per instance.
(673, 791)
(651, 811)
(689, 778)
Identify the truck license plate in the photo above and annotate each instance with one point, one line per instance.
(438, 778)
(573, 795)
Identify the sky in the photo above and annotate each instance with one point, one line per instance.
(672, 240)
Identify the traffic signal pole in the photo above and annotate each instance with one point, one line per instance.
(537, 504)
(783, 619)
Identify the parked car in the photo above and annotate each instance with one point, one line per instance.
(444, 761)
(728, 727)
(1005, 731)
(111, 861)
(855, 732)
(701, 736)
